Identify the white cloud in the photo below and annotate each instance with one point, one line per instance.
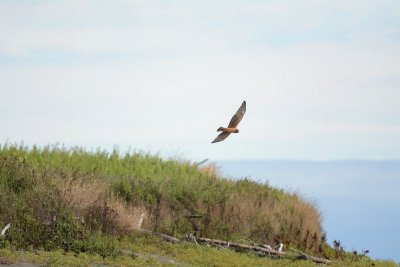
(155, 26)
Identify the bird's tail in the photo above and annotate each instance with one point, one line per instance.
(220, 129)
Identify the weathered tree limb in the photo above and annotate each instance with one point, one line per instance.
(262, 249)
(312, 258)
(163, 236)
(241, 246)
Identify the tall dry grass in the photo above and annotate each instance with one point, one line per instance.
(95, 204)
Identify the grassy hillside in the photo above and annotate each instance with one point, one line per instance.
(81, 201)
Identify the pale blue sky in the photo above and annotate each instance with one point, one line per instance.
(321, 78)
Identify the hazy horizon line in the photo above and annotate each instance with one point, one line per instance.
(177, 154)
(311, 160)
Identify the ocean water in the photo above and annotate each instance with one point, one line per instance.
(359, 200)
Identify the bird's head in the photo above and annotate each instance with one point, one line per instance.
(236, 131)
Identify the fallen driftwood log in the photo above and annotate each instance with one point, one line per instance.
(305, 256)
(241, 246)
(263, 249)
(228, 244)
(163, 236)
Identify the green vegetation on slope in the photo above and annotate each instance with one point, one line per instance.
(109, 191)
(81, 201)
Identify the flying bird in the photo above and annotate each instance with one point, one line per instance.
(232, 124)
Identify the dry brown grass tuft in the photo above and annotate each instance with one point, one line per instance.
(100, 208)
(128, 216)
(83, 194)
(210, 169)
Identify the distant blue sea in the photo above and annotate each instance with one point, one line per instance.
(359, 200)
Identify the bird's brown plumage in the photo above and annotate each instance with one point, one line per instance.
(232, 124)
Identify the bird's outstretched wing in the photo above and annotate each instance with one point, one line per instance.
(221, 137)
(238, 116)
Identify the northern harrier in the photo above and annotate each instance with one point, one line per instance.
(232, 124)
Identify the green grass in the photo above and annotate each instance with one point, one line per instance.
(144, 250)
